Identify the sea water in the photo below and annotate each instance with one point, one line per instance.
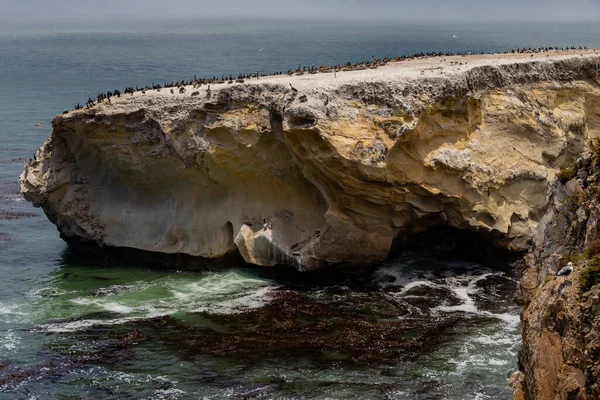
(416, 327)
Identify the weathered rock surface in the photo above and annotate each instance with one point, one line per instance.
(367, 157)
(560, 358)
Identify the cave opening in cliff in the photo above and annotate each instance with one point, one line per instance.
(448, 243)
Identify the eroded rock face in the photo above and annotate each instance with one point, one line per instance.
(337, 176)
(560, 358)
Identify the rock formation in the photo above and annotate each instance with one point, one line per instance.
(353, 163)
(560, 358)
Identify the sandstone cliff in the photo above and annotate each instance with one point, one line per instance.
(339, 166)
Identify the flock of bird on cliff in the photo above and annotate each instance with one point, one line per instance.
(229, 79)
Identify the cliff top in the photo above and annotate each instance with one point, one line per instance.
(418, 68)
(447, 69)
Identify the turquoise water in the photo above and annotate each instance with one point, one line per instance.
(415, 328)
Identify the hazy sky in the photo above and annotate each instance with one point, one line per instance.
(31, 11)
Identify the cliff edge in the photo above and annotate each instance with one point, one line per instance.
(321, 169)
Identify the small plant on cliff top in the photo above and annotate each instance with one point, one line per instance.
(566, 174)
(590, 275)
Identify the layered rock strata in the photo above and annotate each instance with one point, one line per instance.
(337, 166)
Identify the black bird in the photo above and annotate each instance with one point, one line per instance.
(293, 88)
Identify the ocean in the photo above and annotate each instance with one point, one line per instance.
(415, 327)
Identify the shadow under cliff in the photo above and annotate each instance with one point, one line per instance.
(441, 243)
(447, 243)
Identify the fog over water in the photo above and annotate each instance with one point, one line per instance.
(37, 11)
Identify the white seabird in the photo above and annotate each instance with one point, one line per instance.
(565, 271)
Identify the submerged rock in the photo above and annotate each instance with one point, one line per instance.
(362, 159)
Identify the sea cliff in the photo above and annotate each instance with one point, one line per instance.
(560, 358)
(321, 169)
